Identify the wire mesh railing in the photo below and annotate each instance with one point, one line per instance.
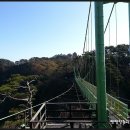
(114, 105)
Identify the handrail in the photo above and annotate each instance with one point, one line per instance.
(118, 107)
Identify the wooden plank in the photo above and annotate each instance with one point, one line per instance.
(58, 103)
(76, 118)
(69, 121)
(84, 110)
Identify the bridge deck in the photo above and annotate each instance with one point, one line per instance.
(77, 109)
(63, 114)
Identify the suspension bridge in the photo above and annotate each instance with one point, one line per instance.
(83, 105)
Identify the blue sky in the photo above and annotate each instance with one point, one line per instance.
(43, 29)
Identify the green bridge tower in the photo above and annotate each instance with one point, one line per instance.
(100, 65)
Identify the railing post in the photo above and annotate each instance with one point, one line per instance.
(39, 117)
(25, 118)
(96, 124)
(70, 115)
(30, 122)
(31, 125)
(45, 115)
(100, 64)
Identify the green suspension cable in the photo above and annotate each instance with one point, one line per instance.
(109, 18)
(88, 56)
(87, 27)
(91, 50)
(110, 57)
(117, 53)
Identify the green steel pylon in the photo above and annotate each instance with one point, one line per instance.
(100, 66)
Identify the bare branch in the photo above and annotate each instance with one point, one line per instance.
(3, 100)
(25, 87)
(12, 98)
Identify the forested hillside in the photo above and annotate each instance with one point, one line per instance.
(117, 61)
(49, 77)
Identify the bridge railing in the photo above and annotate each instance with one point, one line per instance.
(114, 105)
(86, 91)
(38, 120)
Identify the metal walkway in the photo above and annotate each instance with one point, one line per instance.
(77, 108)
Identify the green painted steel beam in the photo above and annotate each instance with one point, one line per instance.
(100, 65)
